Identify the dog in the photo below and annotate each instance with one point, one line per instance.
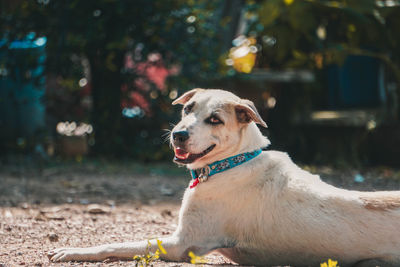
(255, 206)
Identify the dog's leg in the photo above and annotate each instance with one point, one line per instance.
(119, 251)
(177, 250)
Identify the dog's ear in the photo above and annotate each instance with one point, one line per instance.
(247, 112)
(183, 99)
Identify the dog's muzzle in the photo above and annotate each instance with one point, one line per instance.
(184, 157)
(180, 137)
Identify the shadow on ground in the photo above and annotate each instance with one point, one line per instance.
(93, 181)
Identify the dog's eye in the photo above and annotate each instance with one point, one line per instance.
(213, 120)
(188, 108)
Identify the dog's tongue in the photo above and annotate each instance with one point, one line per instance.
(181, 154)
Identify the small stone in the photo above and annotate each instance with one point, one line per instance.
(40, 217)
(166, 213)
(8, 214)
(97, 209)
(53, 237)
(55, 217)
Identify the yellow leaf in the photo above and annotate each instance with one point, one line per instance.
(243, 57)
(162, 249)
(332, 263)
(244, 64)
(352, 27)
(288, 2)
(194, 259)
(335, 4)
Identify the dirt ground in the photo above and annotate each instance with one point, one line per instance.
(59, 204)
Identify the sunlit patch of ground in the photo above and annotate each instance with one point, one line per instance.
(27, 233)
(50, 206)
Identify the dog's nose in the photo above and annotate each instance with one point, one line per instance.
(180, 136)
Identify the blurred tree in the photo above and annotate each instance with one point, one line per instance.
(316, 33)
(104, 32)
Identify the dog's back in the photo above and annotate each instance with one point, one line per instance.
(277, 213)
(305, 221)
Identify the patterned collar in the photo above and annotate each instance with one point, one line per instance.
(201, 175)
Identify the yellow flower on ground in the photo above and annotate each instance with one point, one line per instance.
(148, 258)
(288, 2)
(162, 249)
(330, 263)
(194, 259)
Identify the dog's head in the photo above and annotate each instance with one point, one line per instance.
(215, 124)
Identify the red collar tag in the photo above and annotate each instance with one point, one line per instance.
(195, 182)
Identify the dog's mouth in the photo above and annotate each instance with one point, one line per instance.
(184, 157)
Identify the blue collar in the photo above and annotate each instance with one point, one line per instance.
(201, 175)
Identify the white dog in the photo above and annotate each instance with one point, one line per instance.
(257, 207)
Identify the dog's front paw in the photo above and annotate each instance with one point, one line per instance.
(72, 254)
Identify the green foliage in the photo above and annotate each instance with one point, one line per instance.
(313, 34)
(184, 32)
(312, 26)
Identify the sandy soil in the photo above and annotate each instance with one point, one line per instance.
(70, 204)
(28, 232)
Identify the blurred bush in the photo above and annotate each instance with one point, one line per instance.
(316, 34)
(112, 63)
(117, 64)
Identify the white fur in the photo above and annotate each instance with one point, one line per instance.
(266, 211)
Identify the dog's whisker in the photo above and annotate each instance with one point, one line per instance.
(167, 135)
(167, 132)
(166, 139)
